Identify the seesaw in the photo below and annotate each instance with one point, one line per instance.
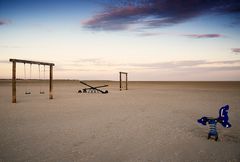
(92, 89)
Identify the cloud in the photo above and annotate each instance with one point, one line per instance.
(198, 65)
(170, 70)
(96, 62)
(236, 50)
(87, 64)
(176, 66)
(148, 34)
(203, 35)
(4, 22)
(156, 13)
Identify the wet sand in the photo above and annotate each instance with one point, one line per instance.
(151, 122)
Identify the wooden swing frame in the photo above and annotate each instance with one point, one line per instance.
(14, 89)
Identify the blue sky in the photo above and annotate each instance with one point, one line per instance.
(151, 39)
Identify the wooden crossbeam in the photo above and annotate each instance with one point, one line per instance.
(31, 62)
(123, 72)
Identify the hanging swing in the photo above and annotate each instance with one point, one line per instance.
(27, 90)
(39, 75)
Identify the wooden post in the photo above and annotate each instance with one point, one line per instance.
(50, 82)
(120, 75)
(126, 81)
(14, 96)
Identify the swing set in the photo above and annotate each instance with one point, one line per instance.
(27, 91)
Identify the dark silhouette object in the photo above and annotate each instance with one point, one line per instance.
(28, 92)
(222, 119)
(92, 89)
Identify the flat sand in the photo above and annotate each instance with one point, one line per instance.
(151, 122)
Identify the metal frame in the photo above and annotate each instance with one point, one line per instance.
(120, 78)
(14, 89)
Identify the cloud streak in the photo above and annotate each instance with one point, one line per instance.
(236, 50)
(4, 22)
(203, 35)
(156, 13)
(183, 66)
(196, 36)
(171, 70)
(192, 64)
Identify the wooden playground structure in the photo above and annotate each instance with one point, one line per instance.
(85, 90)
(120, 78)
(14, 69)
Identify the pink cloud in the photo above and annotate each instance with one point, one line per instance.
(185, 35)
(203, 35)
(236, 50)
(4, 22)
(156, 13)
(101, 20)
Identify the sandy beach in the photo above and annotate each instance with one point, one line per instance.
(151, 122)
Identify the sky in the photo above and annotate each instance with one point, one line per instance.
(157, 40)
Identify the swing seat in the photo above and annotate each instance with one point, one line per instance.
(27, 92)
(42, 92)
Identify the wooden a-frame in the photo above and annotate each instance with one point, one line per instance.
(120, 78)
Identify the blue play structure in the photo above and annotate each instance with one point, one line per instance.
(222, 119)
